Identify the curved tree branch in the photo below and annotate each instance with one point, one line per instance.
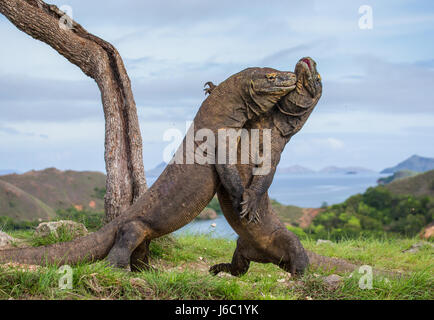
(99, 60)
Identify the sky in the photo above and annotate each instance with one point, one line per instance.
(376, 110)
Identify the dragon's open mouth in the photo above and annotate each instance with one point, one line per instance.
(307, 61)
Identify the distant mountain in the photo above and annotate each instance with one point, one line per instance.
(50, 189)
(155, 172)
(419, 185)
(414, 163)
(20, 205)
(294, 170)
(7, 171)
(345, 170)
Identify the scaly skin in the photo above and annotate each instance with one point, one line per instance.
(268, 240)
(181, 192)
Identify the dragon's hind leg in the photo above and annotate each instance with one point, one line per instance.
(239, 265)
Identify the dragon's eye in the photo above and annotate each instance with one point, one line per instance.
(271, 76)
(319, 77)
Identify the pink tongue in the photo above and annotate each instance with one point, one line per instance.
(307, 62)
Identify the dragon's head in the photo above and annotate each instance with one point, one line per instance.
(273, 82)
(267, 86)
(308, 77)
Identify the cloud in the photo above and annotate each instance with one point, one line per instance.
(332, 143)
(317, 145)
(384, 87)
(377, 84)
(29, 88)
(366, 122)
(13, 132)
(173, 12)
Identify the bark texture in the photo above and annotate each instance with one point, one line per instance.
(99, 60)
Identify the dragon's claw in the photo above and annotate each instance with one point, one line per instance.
(211, 87)
(250, 207)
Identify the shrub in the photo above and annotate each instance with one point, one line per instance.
(215, 205)
(297, 231)
(8, 224)
(374, 212)
(91, 219)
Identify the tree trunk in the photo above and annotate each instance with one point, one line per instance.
(99, 60)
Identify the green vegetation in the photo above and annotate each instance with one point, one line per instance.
(373, 213)
(8, 224)
(62, 235)
(215, 205)
(92, 220)
(182, 264)
(299, 232)
(288, 214)
(99, 193)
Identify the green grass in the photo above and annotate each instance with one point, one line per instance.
(182, 273)
(63, 235)
(383, 253)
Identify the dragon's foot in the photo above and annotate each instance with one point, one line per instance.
(120, 267)
(221, 267)
(119, 259)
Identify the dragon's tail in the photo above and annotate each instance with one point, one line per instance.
(328, 263)
(92, 247)
(341, 265)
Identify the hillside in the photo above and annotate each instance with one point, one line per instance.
(61, 189)
(414, 163)
(419, 185)
(20, 205)
(38, 194)
(288, 214)
(397, 176)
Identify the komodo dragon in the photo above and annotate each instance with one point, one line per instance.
(182, 191)
(267, 240)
